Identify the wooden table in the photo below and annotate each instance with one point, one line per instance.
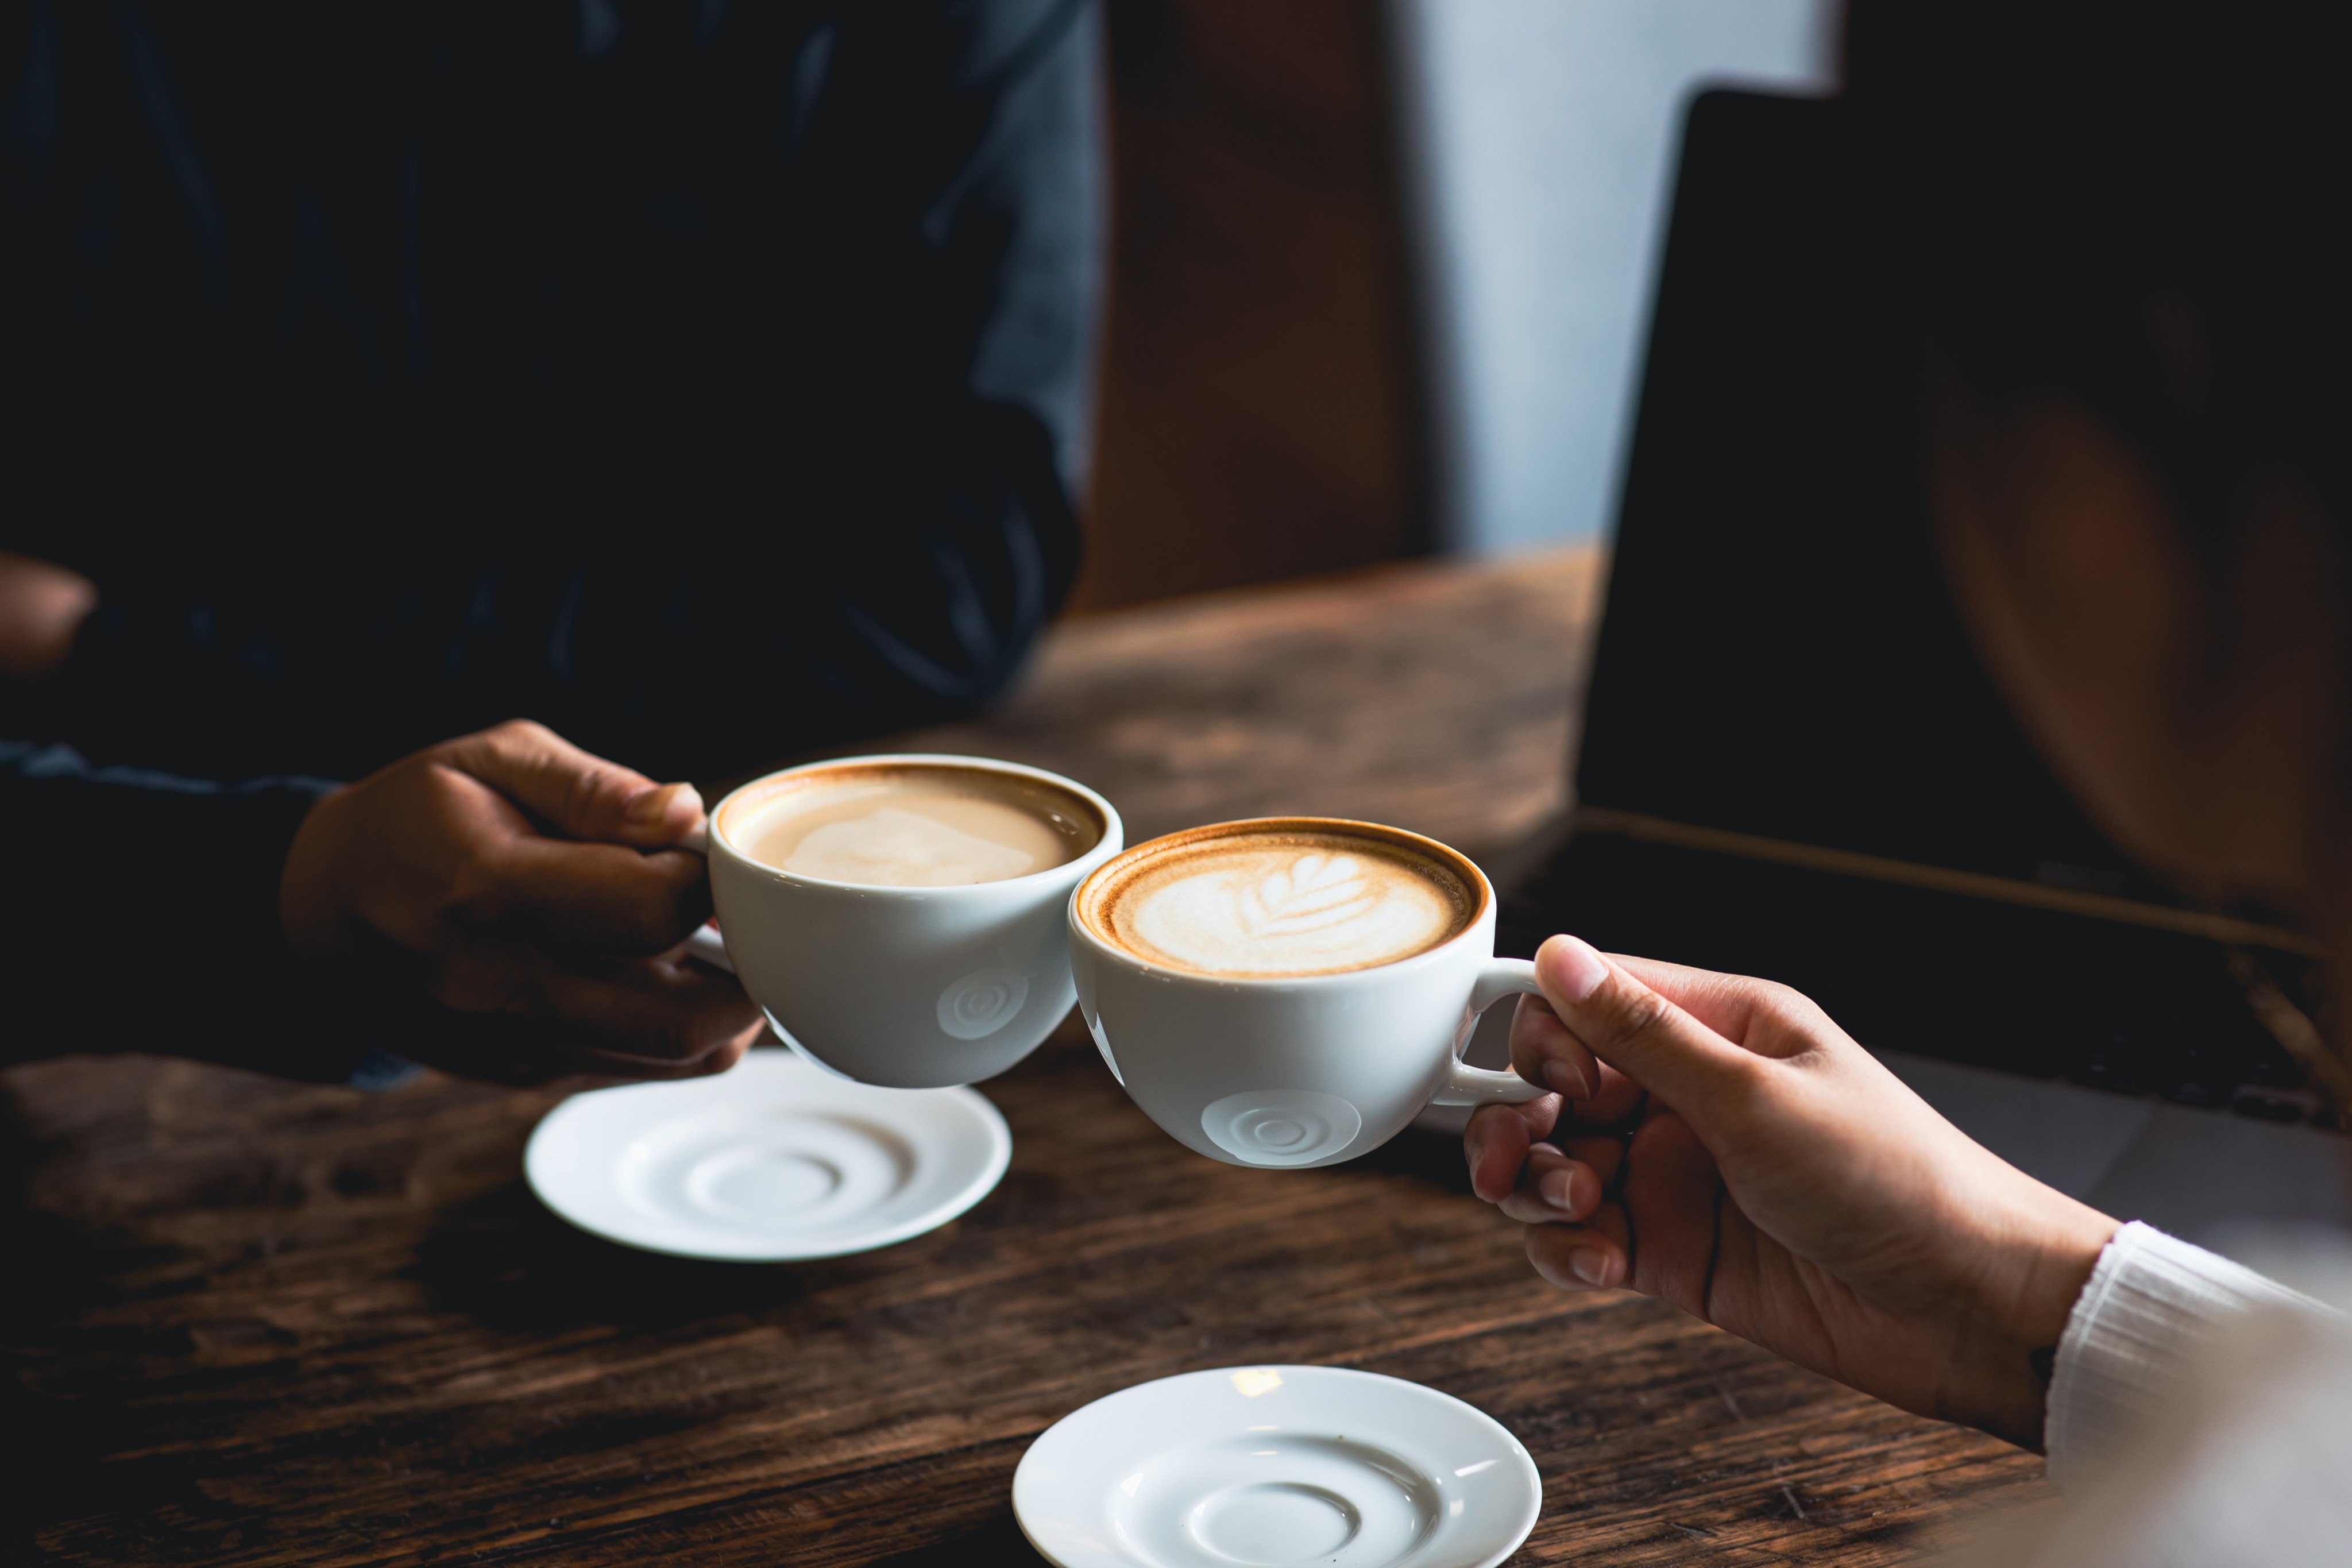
(250, 1323)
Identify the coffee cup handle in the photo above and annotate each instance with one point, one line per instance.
(1466, 1085)
(707, 946)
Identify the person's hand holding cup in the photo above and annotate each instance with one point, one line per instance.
(900, 918)
(1724, 1146)
(508, 907)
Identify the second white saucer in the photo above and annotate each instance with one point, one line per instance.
(1271, 1465)
(772, 1162)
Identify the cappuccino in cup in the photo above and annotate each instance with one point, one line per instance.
(1292, 991)
(1275, 902)
(912, 825)
(901, 920)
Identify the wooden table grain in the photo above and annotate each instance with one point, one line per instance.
(252, 1322)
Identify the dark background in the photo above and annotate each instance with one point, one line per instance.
(1258, 417)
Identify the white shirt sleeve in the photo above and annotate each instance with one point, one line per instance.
(2152, 1302)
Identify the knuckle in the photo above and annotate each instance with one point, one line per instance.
(660, 925)
(649, 918)
(1802, 1018)
(594, 792)
(476, 898)
(472, 982)
(519, 731)
(1785, 1000)
(1640, 1013)
(584, 791)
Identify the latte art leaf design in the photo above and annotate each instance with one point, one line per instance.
(1316, 892)
(1284, 910)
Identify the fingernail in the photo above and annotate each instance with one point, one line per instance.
(1576, 968)
(1590, 1264)
(1554, 1189)
(1567, 1079)
(655, 804)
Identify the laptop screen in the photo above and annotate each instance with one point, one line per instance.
(1793, 765)
(1780, 656)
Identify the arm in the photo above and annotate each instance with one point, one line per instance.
(2152, 1304)
(502, 905)
(140, 913)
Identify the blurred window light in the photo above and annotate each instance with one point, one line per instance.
(1539, 138)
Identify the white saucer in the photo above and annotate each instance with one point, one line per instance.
(1277, 1465)
(773, 1161)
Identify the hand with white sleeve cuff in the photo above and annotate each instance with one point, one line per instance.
(1717, 1142)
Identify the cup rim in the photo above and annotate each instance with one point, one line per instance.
(1468, 868)
(1113, 833)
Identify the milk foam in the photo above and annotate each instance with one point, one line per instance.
(910, 826)
(890, 847)
(1284, 908)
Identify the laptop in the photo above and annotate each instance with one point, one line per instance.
(1792, 766)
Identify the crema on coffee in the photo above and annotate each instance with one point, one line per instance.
(912, 825)
(1281, 898)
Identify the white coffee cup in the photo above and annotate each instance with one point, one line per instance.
(1298, 1070)
(907, 987)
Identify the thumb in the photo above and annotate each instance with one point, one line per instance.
(1643, 1035)
(576, 794)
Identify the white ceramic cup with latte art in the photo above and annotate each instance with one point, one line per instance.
(900, 918)
(1291, 990)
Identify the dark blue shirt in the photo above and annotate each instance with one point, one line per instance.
(705, 380)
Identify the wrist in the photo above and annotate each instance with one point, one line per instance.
(307, 908)
(2023, 1314)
